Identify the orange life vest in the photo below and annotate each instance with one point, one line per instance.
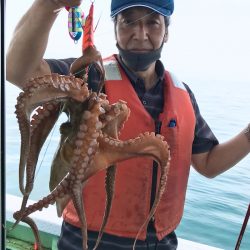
(131, 202)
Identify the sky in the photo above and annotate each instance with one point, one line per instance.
(207, 39)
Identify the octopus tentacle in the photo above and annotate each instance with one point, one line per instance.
(76, 195)
(61, 190)
(109, 186)
(114, 118)
(39, 133)
(41, 124)
(164, 166)
(50, 88)
(83, 155)
(34, 228)
(23, 213)
(40, 90)
(146, 144)
(24, 128)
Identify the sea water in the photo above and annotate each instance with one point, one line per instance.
(215, 208)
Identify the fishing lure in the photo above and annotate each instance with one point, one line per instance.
(75, 22)
(88, 37)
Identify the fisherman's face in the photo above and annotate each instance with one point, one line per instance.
(140, 30)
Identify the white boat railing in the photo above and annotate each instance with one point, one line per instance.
(48, 222)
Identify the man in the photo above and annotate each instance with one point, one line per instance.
(158, 102)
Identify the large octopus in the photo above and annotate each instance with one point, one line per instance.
(89, 142)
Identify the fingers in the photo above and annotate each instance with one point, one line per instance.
(64, 3)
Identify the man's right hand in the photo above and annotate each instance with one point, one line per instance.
(63, 3)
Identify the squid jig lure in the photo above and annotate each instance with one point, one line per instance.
(76, 22)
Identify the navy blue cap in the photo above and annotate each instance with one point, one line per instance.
(164, 7)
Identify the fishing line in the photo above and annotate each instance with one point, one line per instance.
(78, 72)
(98, 21)
(243, 228)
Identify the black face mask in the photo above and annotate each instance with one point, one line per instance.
(139, 61)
